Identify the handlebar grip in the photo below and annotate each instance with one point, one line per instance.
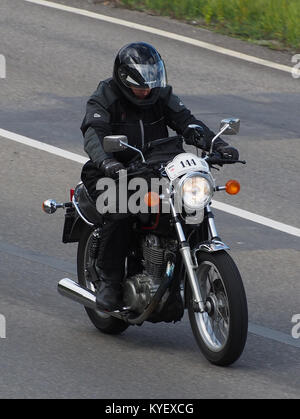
(217, 160)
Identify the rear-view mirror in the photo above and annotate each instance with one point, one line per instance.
(115, 143)
(233, 126)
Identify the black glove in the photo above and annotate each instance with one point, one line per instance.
(111, 167)
(194, 135)
(227, 152)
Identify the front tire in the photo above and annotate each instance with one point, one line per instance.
(103, 322)
(221, 332)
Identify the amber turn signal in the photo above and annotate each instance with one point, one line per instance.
(233, 187)
(151, 199)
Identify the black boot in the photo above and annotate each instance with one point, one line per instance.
(109, 294)
(111, 264)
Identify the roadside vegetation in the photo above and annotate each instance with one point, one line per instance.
(275, 23)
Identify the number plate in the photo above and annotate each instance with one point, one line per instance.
(184, 163)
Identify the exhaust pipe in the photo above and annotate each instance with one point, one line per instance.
(77, 293)
(87, 298)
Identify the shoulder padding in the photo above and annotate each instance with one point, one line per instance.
(175, 104)
(104, 94)
(165, 93)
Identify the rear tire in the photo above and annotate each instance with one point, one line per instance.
(103, 322)
(221, 332)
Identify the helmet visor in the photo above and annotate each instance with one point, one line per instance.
(144, 76)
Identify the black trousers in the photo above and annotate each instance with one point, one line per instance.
(114, 245)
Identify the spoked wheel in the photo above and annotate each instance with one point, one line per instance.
(104, 322)
(221, 331)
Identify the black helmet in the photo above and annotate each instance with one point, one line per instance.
(139, 65)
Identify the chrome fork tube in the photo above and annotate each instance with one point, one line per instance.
(211, 223)
(193, 280)
(185, 251)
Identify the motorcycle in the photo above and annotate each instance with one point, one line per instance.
(182, 264)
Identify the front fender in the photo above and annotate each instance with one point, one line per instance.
(210, 246)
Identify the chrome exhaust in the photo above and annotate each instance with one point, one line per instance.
(77, 293)
(72, 290)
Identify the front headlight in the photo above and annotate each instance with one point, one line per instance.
(196, 192)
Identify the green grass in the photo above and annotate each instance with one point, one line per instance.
(256, 20)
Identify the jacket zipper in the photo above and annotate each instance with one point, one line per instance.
(143, 133)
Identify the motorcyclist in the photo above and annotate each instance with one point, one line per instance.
(138, 103)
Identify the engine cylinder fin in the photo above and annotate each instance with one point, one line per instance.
(154, 261)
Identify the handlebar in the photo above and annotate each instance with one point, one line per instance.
(161, 141)
(214, 158)
(138, 167)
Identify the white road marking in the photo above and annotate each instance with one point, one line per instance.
(170, 35)
(42, 146)
(250, 216)
(272, 334)
(285, 228)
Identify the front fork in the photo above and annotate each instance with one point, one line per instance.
(189, 261)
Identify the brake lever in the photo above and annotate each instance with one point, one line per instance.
(215, 160)
(227, 161)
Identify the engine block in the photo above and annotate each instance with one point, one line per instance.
(138, 291)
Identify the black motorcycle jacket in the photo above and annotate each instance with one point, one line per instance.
(108, 112)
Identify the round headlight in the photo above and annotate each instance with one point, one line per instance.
(196, 192)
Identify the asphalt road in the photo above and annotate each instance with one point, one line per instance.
(54, 62)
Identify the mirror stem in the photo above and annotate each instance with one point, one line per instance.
(135, 149)
(217, 136)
